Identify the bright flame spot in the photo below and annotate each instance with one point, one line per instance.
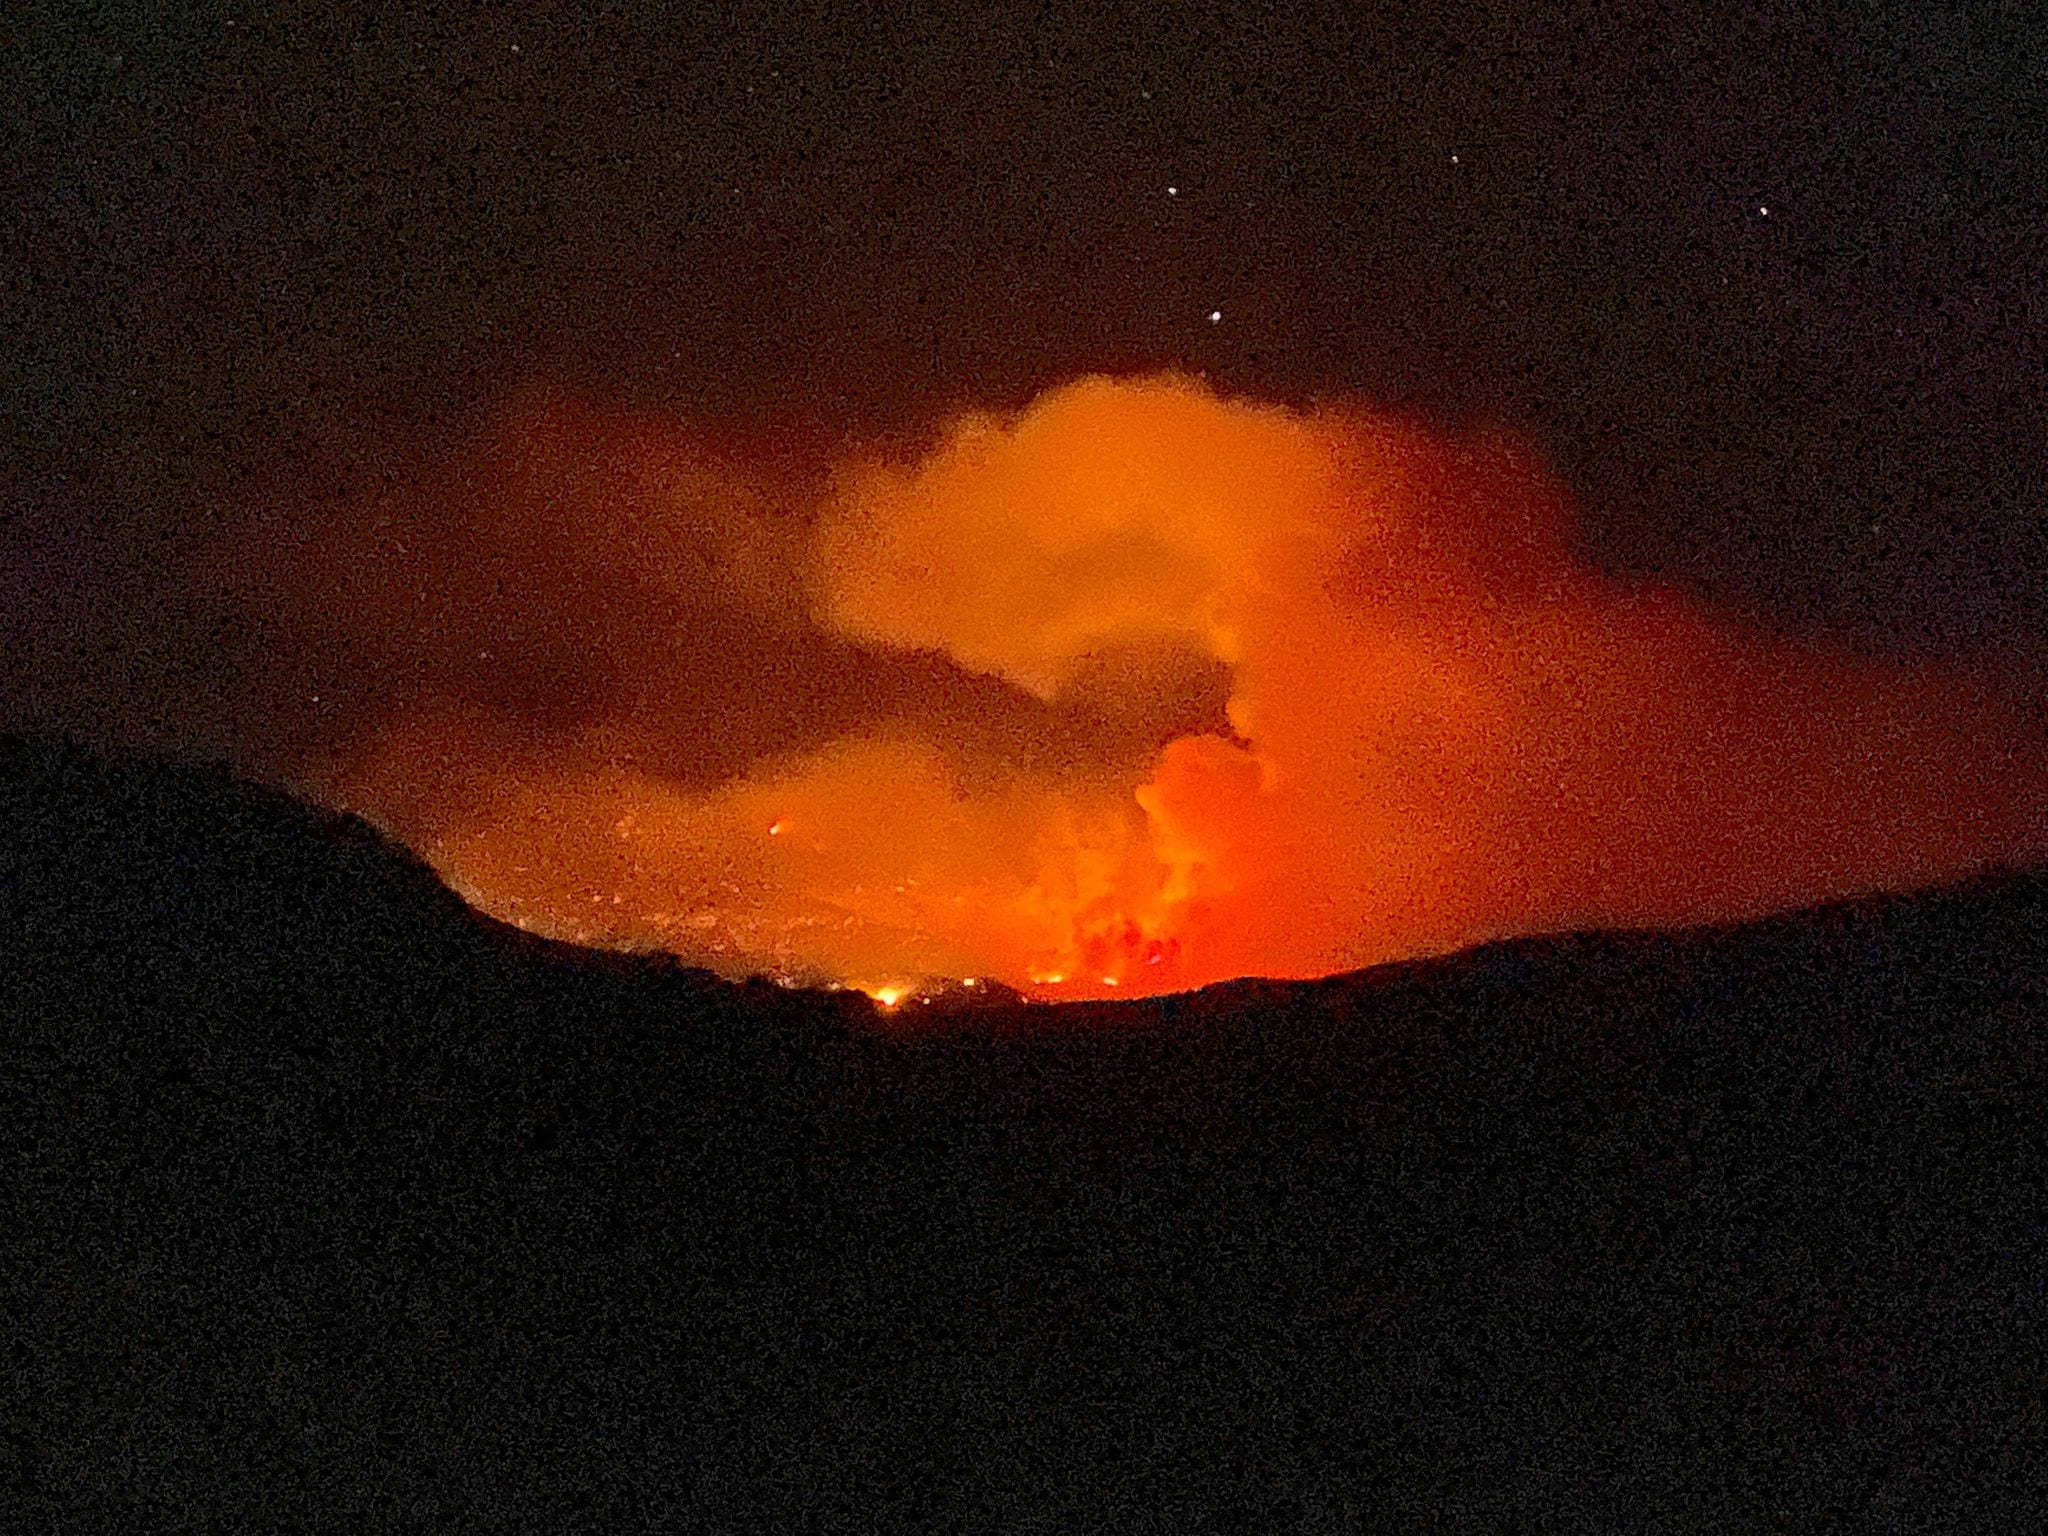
(888, 997)
(777, 828)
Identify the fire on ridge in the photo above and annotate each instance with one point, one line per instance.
(1132, 690)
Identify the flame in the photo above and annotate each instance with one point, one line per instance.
(1134, 689)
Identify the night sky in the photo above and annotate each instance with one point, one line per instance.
(1769, 291)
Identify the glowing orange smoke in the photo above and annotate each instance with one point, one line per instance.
(1135, 690)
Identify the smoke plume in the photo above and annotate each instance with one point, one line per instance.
(1135, 689)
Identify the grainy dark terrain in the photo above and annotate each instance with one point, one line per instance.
(330, 1205)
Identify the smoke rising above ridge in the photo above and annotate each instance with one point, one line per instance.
(1133, 689)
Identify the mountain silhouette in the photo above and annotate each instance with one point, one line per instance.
(330, 1204)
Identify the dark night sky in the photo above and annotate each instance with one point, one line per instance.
(1771, 291)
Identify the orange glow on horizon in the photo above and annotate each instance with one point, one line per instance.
(1140, 686)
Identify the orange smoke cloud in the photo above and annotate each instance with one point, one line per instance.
(1134, 690)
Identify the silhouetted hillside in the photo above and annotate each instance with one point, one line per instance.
(328, 1204)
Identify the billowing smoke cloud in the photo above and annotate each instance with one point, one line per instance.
(1135, 689)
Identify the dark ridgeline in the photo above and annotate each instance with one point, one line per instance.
(330, 1205)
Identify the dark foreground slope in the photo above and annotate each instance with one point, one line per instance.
(329, 1205)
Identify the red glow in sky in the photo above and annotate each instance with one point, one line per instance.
(1133, 690)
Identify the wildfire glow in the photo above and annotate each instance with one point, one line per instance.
(1139, 686)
